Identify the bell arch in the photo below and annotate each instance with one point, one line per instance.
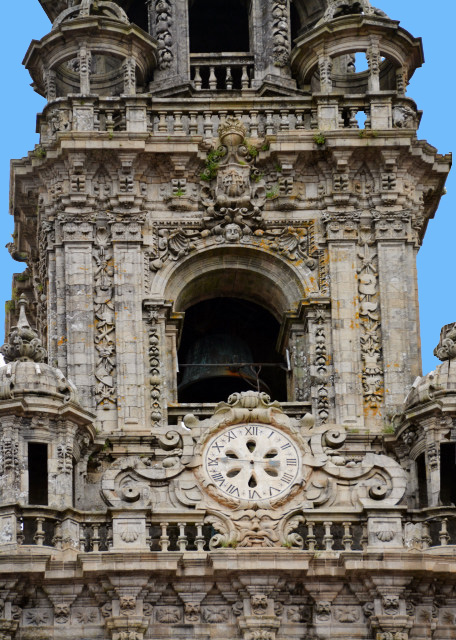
(255, 284)
(246, 273)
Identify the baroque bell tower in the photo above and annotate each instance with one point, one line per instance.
(203, 426)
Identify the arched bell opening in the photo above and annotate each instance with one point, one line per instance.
(217, 26)
(229, 345)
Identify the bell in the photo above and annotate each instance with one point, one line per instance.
(215, 366)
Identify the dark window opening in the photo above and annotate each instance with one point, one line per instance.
(219, 25)
(422, 482)
(137, 13)
(295, 22)
(75, 469)
(448, 473)
(221, 334)
(38, 473)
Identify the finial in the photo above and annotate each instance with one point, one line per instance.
(23, 341)
(446, 349)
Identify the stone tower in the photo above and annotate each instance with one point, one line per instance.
(203, 426)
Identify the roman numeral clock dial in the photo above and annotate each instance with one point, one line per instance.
(252, 463)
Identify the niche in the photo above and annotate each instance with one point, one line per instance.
(38, 473)
(422, 480)
(227, 346)
(217, 26)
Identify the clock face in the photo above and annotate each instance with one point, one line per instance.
(252, 462)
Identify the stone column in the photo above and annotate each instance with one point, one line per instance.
(168, 24)
(342, 238)
(77, 289)
(128, 282)
(398, 303)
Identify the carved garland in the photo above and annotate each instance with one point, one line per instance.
(163, 22)
(321, 368)
(105, 342)
(369, 313)
(154, 365)
(280, 33)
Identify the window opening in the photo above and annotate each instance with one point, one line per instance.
(448, 473)
(38, 473)
(227, 346)
(219, 25)
(422, 482)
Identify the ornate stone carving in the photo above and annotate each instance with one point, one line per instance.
(259, 604)
(85, 616)
(155, 380)
(105, 343)
(61, 613)
(127, 605)
(323, 610)
(23, 342)
(369, 313)
(36, 617)
(280, 33)
(391, 605)
(235, 192)
(168, 615)
(446, 349)
(337, 8)
(214, 615)
(346, 614)
(320, 366)
(192, 611)
(163, 32)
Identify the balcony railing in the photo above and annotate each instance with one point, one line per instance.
(318, 531)
(221, 71)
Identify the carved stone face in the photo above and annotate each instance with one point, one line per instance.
(127, 604)
(232, 232)
(391, 605)
(61, 613)
(259, 603)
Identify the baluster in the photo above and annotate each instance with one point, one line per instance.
(182, 539)
(299, 119)
(20, 530)
(212, 79)
(109, 537)
(39, 534)
(162, 123)
(244, 78)
(207, 124)
(229, 79)
(96, 537)
(222, 116)
(193, 123)
(238, 115)
(197, 80)
(164, 540)
(254, 124)
(347, 538)
(178, 126)
(443, 535)
(311, 539)
(426, 539)
(199, 540)
(109, 120)
(82, 537)
(328, 539)
(57, 539)
(284, 121)
(364, 538)
(269, 122)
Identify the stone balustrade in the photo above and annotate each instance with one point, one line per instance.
(261, 118)
(221, 71)
(317, 531)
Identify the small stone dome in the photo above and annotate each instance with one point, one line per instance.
(35, 378)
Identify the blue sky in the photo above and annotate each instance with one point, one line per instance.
(431, 87)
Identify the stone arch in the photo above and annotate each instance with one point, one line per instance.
(247, 273)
